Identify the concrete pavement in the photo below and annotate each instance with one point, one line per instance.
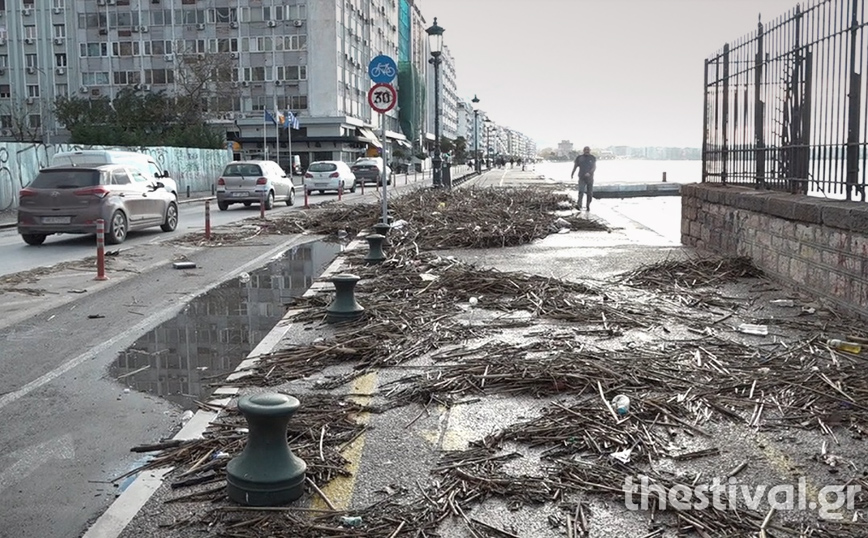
(402, 445)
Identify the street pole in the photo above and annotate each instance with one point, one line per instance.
(435, 44)
(475, 101)
(437, 162)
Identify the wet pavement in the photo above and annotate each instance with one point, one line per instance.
(402, 445)
(183, 358)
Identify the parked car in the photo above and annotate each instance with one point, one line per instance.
(370, 170)
(249, 182)
(140, 161)
(70, 199)
(329, 176)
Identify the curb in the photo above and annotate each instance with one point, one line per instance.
(121, 512)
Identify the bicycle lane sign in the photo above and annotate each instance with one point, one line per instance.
(382, 69)
(382, 97)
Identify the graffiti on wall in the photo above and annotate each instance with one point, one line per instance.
(20, 162)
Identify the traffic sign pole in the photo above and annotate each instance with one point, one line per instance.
(382, 97)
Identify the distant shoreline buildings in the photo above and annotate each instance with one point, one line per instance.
(566, 150)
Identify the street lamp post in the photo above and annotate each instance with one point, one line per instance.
(475, 100)
(488, 128)
(435, 44)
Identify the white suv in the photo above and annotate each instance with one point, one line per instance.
(254, 182)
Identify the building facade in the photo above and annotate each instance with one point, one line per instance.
(240, 59)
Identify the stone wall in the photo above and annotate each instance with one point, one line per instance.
(193, 167)
(818, 245)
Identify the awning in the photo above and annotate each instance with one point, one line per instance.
(404, 143)
(370, 137)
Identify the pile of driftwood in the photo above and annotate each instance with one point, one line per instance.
(439, 219)
(577, 352)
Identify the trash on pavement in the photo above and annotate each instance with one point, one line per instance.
(351, 521)
(622, 455)
(184, 265)
(621, 404)
(782, 302)
(750, 328)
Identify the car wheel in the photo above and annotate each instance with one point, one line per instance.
(171, 221)
(389, 181)
(117, 230)
(321, 191)
(269, 200)
(34, 239)
(247, 204)
(290, 200)
(353, 188)
(223, 206)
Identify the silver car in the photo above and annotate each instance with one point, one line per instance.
(329, 176)
(71, 199)
(249, 182)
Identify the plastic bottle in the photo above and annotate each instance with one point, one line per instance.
(843, 345)
(782, 302)
(621, 404)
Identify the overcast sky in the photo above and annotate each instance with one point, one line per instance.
(595, 72)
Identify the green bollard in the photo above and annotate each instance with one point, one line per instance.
(383, 229)
(344, 307)
(375, 249)
(266, 473)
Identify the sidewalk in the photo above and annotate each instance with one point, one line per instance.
(493, 416)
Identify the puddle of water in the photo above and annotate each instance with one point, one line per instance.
(185, 358)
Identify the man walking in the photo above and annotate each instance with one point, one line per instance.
(586, 163)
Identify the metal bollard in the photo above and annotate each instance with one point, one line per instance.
(363, 187)
(188, 191)
(344, 307)
(340, 191)
(266, 473)
(383, 228)
(375, 249)
(306, 194)
(262, 206)
(212, 189)
(100, 250)
(664, 177)
(207, 220)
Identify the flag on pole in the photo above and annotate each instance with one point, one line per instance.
(278, 117)
(270, 117)
(291, 120)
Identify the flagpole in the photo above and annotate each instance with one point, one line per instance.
(264, 137)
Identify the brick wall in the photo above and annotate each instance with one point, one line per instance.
(820, 246)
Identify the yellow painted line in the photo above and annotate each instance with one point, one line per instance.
(340, 489)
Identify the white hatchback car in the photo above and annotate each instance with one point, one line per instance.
(254, 182)
(329, 176)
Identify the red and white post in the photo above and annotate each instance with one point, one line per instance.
(100, 250)
(207, 220)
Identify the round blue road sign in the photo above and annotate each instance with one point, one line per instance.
(382, 69)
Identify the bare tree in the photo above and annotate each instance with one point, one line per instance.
(27, 118)
(205, 85)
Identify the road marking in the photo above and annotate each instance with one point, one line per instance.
(140, 327)
(31, 458)
(340, 489)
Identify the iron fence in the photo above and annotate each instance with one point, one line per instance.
(785, 106)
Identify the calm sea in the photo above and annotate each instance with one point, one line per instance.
(629, 171)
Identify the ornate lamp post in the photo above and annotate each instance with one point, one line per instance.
(488, 128)
(475, 100)
(435, 45)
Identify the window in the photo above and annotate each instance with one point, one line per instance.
(120, 177)
(60, 59)
(61, 90)
(4, 60)
(295, 42)
(59, 30)
(96, 78)
(33, 90)
(5, 120)
(298, 102)
(272, 13)
(28, 3)
(34, 121)
(5, 91)
(59, 4)
(223, 14)
(298, 11)
(30, 60)
(30, 32)
(94, 49)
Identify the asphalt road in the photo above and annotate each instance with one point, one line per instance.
(67, 427)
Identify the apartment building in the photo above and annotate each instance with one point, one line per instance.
(305, 56)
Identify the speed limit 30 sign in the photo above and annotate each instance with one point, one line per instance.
(382, 97)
